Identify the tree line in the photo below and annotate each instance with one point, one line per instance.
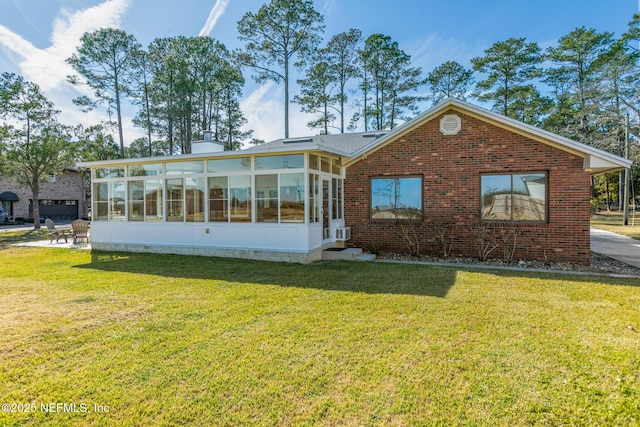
(586, 87)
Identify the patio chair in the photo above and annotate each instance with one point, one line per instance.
(55, 233)
(80, 231)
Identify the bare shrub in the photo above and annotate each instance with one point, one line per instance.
(485, 237)
(409, 222)
(442, 226)
(509, 237)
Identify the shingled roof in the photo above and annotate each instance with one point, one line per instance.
(345, 144)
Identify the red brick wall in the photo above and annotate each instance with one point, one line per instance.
(451, 166)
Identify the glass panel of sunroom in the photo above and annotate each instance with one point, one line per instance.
(313, 162)
(153, 199)
(240, 198)
(117, 172)
(100, 201)
(314, 204)
(267, 198)
(218, 199)
(145, 170)
(176, 168)
(175, 193)
(194, 199)
(229, 165)
(288, 161)
(292, 197)
(116, 201)
(136, 200)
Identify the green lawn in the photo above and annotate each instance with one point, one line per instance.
(8, 237)
(612, 221)
(176, 340)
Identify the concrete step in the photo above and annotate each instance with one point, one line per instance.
(348, 254)
(365, 257)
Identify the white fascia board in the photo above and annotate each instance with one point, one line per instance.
(598, 165)
(157, 159)
(214, 155)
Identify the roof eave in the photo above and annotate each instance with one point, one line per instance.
(596, 165)
(221, 154)
(294, 148)
(136, 160)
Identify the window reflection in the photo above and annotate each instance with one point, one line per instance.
(514, 197)
(396, 198)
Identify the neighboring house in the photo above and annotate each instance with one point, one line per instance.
(455, 166)
(63, 196)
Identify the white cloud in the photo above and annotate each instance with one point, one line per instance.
(12, 42)
(48, 68)
(216, 12)
(328, 7)
(264, 110)
(433, 50)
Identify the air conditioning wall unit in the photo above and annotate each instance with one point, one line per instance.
(343, 233)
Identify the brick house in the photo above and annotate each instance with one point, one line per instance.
(480, 182)
(482, 176)
(63, 196)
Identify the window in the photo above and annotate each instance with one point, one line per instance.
(314, 203)
(194, 199)
(292, 197)
(100, 201)
(153, 200)
(313, 162)
(396, 198)
(514, 197)
(218, 199)
(178, 168)
(175, 191)
(229, 165)
(287, 161)
(267, 198)
(145, 170)
(325, 164)
(240, 197)
(336, 167)
(117, 193)
(136, 200)
(336, 185)
(117, 172)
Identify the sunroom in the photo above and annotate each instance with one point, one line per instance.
(277, 206)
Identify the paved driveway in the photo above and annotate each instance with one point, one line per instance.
(616, 246)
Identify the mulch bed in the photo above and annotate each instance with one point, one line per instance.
(599, 263)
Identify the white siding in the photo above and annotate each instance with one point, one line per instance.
(298, 238)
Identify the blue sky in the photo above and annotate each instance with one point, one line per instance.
(37, 35)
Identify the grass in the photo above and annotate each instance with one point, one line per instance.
(612, 221)
(175, 340)
(8, 237)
